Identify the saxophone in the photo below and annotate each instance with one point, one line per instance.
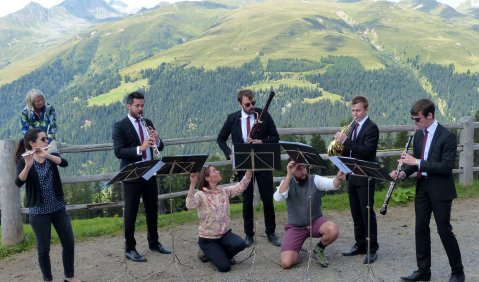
(336, 148)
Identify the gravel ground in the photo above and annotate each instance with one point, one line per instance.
(101, 259)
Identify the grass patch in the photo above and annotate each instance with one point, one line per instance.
(85, 229)
(117, 94)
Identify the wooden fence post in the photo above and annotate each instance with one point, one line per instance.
(466, 155)
(10, 202)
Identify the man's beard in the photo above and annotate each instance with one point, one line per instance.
(302, 181)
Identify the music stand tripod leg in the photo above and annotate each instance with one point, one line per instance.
(369, 271)
(126, 271)
(174, 258)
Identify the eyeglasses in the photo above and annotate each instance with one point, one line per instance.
(250, 103)
(416, 119)
(44, 139)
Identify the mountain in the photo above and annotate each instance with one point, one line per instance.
(35, 28)
(433, 7)
(470, 7)
(91, 10)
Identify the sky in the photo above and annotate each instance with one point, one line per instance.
(10, 6)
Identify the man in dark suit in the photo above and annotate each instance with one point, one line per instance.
(361, 143)
(433, 159)
(132, 142)
(238, 125)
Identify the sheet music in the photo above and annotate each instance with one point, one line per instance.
(153, 170)
(340, 165)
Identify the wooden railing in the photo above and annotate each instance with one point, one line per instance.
(10, 201)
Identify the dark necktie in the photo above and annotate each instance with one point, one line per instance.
(355, 133)
(248, 126)
(142, 137)
(424, 141)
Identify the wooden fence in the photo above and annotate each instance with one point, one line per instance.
(10, 202)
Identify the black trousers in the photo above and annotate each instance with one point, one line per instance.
(266, 191)
(424, 207)
(41, 225)
(221, 251)
(358, 202)
(132, 191)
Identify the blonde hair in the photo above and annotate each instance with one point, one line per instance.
(31, 96)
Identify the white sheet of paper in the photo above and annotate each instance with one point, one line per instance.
(153, 170)
(340, 165)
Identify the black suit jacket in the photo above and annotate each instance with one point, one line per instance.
(267, 131)
(439, 163)
(126, 140)
(364, 148)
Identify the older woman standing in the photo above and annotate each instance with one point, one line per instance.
(216, 240)
(39, 114)
(39, 172)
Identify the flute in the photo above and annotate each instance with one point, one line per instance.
(31, 152)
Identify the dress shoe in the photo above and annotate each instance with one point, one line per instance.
(372, 258)
(159, 248)
(273, 239)
(460, 277)
(355, 250)
(135, 256)
(248, 240)
(418, 276)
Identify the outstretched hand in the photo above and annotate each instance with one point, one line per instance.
(194, 177)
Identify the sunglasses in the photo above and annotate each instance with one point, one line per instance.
(416, 119)
(250, 103)
(44, 139)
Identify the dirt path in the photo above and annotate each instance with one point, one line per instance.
(101, 259)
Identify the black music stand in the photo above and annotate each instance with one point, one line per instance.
(133, 172)
(256, 157)
(305, 155)
(178, 165)
(370, 170)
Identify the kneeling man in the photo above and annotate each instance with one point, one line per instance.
(301, 190)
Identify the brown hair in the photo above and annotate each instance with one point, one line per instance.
(24, 144)
(360, 99)
(425, 106)
(205, 172)
(245, 92)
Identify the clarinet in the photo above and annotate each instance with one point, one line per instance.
(384, 208)
(155, 147)
(255, 129)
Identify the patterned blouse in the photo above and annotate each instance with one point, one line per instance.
(214, 208)
(50, 203)
(46, 121)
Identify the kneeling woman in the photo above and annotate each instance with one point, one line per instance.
(39, 172)
(216, 240)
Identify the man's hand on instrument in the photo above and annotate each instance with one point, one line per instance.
(393, 174)
(340, 137)
(407, 159)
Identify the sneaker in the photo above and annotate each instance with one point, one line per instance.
(320, 256)
(202, 257)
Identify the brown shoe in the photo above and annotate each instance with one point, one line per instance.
(202, 256)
